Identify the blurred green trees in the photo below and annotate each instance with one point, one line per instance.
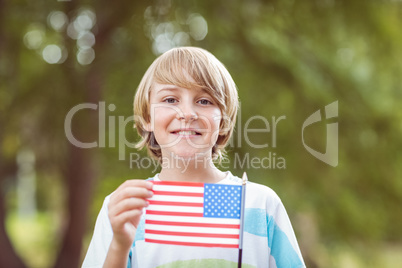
(288, 58)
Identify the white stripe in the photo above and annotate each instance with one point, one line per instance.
(187, 229)
(172, 188)
(191, 219)
(190, 199)
(176, 208)
(209, 240)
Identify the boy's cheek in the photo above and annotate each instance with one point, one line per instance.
(163, 109)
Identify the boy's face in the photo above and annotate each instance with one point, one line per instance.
(185, 122)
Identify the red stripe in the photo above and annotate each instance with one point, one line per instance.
(190, 244)
(175, 183)
(194, 224)
(178, 193)
(172, 213)
(192, 234)
(168, 203)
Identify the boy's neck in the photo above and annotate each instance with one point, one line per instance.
(192, 170)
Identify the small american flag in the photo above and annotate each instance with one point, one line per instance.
(194, 214)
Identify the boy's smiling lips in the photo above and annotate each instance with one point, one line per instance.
(186, 132)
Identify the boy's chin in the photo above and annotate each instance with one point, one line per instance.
(190, 155)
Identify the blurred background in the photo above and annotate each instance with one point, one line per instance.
(288, 58)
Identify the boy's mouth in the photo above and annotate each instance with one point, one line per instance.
(186, 132)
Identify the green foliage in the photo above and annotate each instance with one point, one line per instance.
(34, 238)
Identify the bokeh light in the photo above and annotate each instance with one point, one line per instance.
(57, 20)
(85, 56)
(86, 40)
(52, 54)
(85, 20)
(198, 26)
(181, 39)
(33, 39)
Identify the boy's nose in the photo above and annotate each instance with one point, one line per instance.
(187, 113)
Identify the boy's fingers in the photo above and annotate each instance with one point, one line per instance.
(127, 205)
(137, 183)
(130, 192)
(126, 216)
(132, 188)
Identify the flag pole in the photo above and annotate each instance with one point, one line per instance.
(243, 202)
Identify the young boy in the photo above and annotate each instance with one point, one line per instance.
(185, 108)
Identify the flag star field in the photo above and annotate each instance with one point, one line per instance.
(222, 201)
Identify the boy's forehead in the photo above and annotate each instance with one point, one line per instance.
(179, 77)
(157, 87)
(160, 88)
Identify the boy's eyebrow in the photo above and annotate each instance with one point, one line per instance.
(167, 89)
(175, 88)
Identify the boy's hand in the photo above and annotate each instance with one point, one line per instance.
(125, 210)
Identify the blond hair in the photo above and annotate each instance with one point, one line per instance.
(208, 73)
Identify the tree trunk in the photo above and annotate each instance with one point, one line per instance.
(80, 178)
(8, 258)
(80, 175)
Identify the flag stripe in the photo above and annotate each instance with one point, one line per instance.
(191, 244)
(191, 219)
(193, 224)
(172, 213)
(178, 183)
(177, 193)
(183, 189)
(175, 208)
(170, 203)
(192, 239)
(186, 199)
(192, 234)
(192, 229)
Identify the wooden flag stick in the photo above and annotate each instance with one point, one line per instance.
(243, 203)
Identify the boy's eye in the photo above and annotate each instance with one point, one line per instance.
(170, 100)
(205, 102)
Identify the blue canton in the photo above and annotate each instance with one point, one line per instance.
(222, 201)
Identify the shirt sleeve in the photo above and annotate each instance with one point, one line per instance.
(101, 239)
(282, 241)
